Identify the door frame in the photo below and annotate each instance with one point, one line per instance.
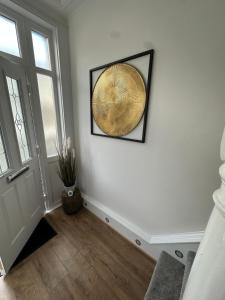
(24, 27)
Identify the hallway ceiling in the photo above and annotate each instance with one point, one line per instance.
(62, 6)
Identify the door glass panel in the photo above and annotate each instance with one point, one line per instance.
(48, 110)
(8, 36)
(18, 118)
(3, 159)
(41, 51)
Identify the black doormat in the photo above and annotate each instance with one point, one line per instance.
(41, 234)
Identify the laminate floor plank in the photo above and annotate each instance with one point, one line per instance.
(104, 256)
(66, 289)
(26, 282)
(50, 268)
(126, 279)
(85, 260)
(131, 257)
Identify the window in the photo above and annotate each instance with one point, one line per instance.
(3, 159)
(44, 68)
(45, 77)
(45, 86)
(8, 33)
(18, 118)
(41, 51)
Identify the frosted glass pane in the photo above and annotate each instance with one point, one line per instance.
(46, 94)
(18, 118)
(8, 36)
(3, 159)
(41, 51)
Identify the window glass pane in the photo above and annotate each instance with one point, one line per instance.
(18, 118)
(46, 94)
(41, 51)
(8, 36)
(3, 160)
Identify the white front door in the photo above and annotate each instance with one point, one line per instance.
(21, 201)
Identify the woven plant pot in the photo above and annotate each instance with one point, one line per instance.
(72, 204)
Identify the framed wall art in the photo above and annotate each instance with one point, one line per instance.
(119, 97)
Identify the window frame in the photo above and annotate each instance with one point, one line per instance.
(25, 26)
(53, 73)
(5, 140)
(7, 156)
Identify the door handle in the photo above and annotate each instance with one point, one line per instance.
(18, 173)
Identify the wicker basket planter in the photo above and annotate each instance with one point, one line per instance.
(72, 204)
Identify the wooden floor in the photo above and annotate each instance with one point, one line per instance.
(85, 260)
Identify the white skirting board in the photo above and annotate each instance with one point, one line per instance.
(150, 244)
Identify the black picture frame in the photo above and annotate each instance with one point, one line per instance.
(150, 53)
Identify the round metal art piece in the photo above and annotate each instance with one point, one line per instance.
(118, 100)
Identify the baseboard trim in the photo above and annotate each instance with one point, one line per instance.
(180, 238)
(133, 232)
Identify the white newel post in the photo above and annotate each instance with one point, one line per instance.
(207, 277)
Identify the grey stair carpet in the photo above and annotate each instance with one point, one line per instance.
(166, 280)
(189, 262)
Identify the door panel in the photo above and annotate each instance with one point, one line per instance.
(32, 204)
(11, 203)
(21, 200)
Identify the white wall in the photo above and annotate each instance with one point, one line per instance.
(164, 185)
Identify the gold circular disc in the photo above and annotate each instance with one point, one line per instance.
(118, 100)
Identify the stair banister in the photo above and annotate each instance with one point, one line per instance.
(207, 277)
